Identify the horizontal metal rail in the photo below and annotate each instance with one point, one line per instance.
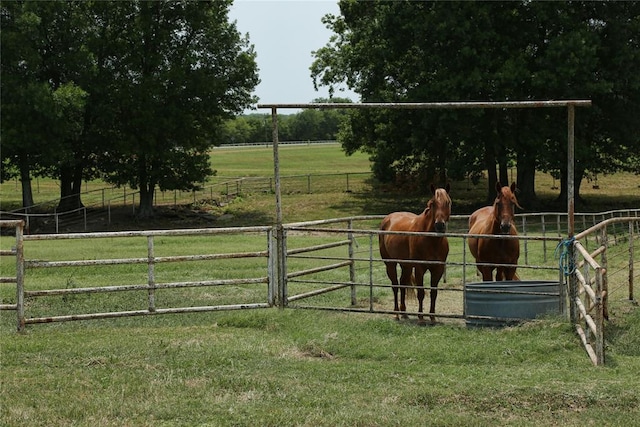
(149, 233)
(317, 247)
(117, 314)
(431, 105)
(318, 269)
(124, 261)
(145, 287)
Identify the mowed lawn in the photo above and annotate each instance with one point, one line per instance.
(276, 367)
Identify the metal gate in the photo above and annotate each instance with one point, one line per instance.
(328, 265)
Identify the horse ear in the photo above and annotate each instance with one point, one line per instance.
(433, 189)
(447, 187)
(513, 187)
(498, 187)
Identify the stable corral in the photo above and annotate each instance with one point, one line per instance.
(327, 265)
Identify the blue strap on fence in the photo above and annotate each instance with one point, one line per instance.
(565, 261)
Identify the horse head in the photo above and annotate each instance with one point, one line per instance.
(504, 207)
(440, 205)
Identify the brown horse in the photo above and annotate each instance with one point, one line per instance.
(496, 219)
(400, 249)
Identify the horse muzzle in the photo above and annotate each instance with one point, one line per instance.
(505, 227)
(440, 227)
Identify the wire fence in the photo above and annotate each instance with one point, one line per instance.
(99, 205)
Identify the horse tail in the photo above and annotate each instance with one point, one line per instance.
(411, 291)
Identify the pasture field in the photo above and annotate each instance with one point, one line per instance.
(297, 162)
(294, 160)
(302, 367)
(229, 162)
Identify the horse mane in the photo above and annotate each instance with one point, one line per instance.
(500, 194)
(441, 196)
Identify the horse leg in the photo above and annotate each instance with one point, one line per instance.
(392, 273)
(487, 273)
(405, 280)
(509, 273)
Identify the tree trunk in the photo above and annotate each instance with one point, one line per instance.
(504, 173)
(526, 164)
(492, 175)
(25, 181)
(526, 179)
(526, 182)
(70, 188)
(146, 201)
(564, 193)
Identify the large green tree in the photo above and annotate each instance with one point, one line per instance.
(449, 51)
(44, 59)
(133, 90)
(170, 72)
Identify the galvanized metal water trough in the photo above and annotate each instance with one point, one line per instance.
(508, 302)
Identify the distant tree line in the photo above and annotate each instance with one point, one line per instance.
(307, 125)
(409, 51)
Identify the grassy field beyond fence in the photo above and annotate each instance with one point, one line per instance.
(317, 169)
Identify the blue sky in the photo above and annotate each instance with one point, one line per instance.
(284, 33)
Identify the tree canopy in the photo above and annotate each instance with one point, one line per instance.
(408, 51)
(135, 91)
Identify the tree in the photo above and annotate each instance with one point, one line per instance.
(171, 72)
(72, 158)
(434, 51)
(140, 87)
(26, 102)
(587, 50)
(44, 55)
(422, 51)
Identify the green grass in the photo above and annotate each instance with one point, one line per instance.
(292, 367)
(277, 367)
(294, 160)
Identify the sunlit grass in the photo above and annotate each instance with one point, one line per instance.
(307, 368)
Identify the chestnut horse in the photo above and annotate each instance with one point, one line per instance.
(496, 219)
(400, 249)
